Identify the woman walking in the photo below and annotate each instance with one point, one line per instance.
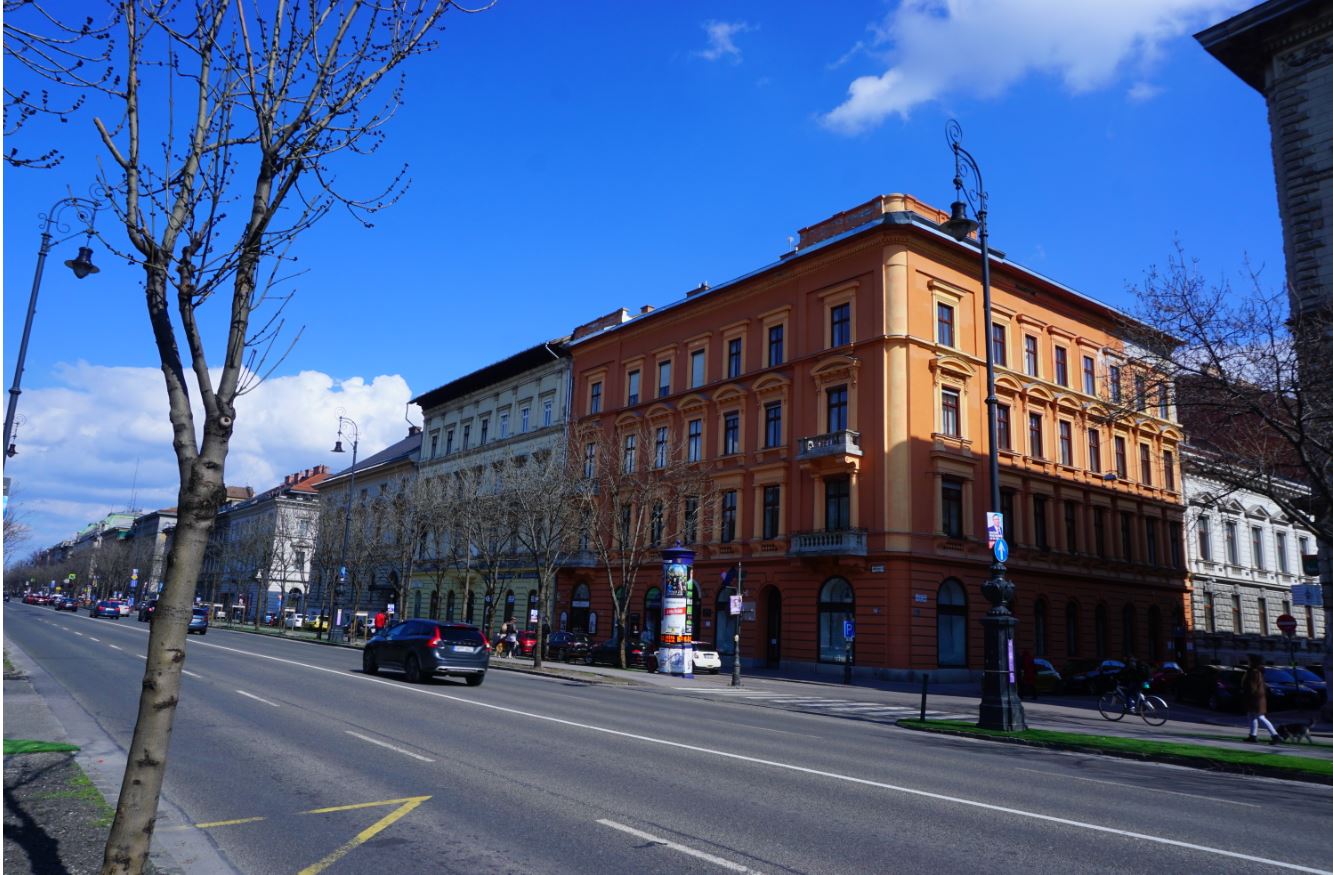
(1255, 692)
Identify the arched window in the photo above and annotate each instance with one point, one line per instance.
(449, 602)
(1101, 631)
(1127, 626)
(951, 624)
(1154, 634)
(579, 603)
(1039, 627)
(1071, 629)
(836, 604)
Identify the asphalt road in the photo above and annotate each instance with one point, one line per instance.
(285, 758)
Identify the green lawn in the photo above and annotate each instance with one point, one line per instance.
(1257, 758)
(23, 745)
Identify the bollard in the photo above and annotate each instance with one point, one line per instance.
(925, 682)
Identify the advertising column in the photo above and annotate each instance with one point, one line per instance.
(676, 650)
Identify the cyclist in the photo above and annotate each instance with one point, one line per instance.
(1132, 680)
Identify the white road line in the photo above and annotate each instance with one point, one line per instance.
(790, 767)
(113, 646)
(415, 756)
(1062, 775)
(98, 640)
(190, 673)
(648, 837)
(80, 634)
(141, 656)
(257, 699)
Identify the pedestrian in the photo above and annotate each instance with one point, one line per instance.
(511, 637)
(1255, 691)
(380, 621)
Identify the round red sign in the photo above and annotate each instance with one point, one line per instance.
(1287, 623)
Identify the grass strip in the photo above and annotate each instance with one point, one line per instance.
(24, 745)
(1257, 760)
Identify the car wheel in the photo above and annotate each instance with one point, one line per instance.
(369, 665)
(412, 670)
(203, 631)
(474, 680)
(1214, 703)
(714, 670)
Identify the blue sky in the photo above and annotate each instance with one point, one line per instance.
(570, 158)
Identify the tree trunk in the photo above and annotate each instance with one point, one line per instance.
(136, 812)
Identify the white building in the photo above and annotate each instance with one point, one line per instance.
(1244, 557)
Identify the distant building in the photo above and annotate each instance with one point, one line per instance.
(150, 541)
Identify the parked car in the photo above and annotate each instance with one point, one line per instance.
(1314, 682)
(1048, 679)
(317, 621)
(1083, 676)
(1216, 686)
(608, 653)
(67, 604)
(1284, 693)
(1165, 677)
(527, 642)
(292, 619)
(422, 649)
(105, 608)
(706, 658)
(147, 609)
(568, 646)
(124, 608)
(198, 621)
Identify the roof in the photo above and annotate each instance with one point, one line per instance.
(405, 450)
(302, 483)
(1239, 41)
(518, 363)
(906, 218)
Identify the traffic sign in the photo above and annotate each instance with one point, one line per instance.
(1287, 623)
(1307, 595)
(849, 629)
(1001, 550)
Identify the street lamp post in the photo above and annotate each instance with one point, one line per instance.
(1001, 707)
(82, 265)
(346, 428)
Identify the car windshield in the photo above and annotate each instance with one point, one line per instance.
(703, 645)
(1307, 676)
(201, 612)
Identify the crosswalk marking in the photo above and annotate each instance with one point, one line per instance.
(840, 707)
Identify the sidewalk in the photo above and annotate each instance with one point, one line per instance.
(805, 692)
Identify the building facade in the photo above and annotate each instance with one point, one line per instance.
(1244, 558)
(513, 408)
(836, 398)
(259, 553)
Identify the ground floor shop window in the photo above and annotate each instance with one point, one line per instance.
(951, 624)
(837, 603)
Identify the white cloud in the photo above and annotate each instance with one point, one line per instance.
(982, 47)
(720, 42)
(101, 437)
(1141, 92)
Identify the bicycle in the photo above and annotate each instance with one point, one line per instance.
(1117, 703)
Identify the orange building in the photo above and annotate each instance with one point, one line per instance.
(837, 398)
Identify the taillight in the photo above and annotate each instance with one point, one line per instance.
(435, 639)
(485, 642)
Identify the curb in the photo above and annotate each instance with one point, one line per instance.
(1170, 759)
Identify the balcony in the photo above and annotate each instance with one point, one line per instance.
(580, 559)
(845, 542)
(837, 443)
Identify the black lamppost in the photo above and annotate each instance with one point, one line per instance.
(346, 429)
(1000, 706)
(82, 265)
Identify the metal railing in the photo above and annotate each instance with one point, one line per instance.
(836, 443)
(843, 542)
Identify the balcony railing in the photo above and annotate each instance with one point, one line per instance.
(845, 542)
(581, 559)
(837, 443)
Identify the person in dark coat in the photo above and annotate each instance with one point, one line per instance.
(1255, 693)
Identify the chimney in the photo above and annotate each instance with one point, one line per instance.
(645, 309)
(413, 430)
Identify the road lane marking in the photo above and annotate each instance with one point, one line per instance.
(1133, 787)
(237, 822)
(80, 634)
(98, 640)
(684, 849)
(257, 699)
(190, 673)
(141, 656)
(792, 767)
(390, 746)
(113, 646)
(365, 835)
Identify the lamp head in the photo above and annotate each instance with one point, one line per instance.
(338, 446)
(83, 264)
(12, 451)
(959, 226)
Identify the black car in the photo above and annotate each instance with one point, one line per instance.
(146, 610)
(67, 604)
(1216, 686)
(1284, 693)
(1096, 676)
(1314, 682)
(608, 653)
(198, 621)
(568, 646)
(424, 648)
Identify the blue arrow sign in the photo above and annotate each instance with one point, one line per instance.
(1001, 550)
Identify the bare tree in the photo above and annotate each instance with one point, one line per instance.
(493, 537)
(633, 501)
(449, 526)
(272, 102)
(543, 495)
(1252, 383)
(403, 524)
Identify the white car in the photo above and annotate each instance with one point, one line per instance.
(706, 658)
(124, 609)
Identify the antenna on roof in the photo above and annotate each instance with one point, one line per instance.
(134, 487)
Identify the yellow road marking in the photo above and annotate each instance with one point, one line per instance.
(365, 834)
(214, 823)
(417, 799)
